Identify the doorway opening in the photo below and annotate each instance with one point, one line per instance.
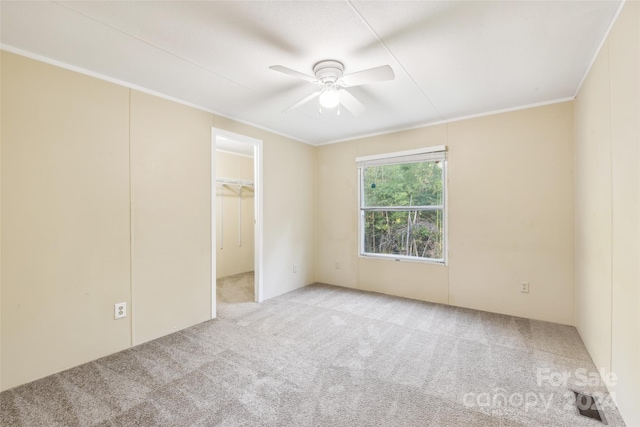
(236, 218)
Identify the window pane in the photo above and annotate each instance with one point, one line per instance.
(408, 233)
(410, 184)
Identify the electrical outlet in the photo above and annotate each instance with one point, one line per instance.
(524, 287)
(295, 268)
(337, 265)
(121, 310)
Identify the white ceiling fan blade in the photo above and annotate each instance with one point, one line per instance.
(293, 73)
(303, 101)
(350, 102)
(372, 75)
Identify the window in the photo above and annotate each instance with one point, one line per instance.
(402, 205)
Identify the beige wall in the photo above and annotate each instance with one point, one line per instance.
(607, 117)
(510, 215)
(593, 212)
(106, 199)
(235, 254)
(1, 56)
(65, 219)
(171, 216)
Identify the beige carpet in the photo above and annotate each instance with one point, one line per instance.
(326, 356)
(236, 289)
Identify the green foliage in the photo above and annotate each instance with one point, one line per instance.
(410, 232)
(409, 184)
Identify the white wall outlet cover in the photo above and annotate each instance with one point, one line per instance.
(120, 310)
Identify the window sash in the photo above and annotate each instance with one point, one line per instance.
(397, 158)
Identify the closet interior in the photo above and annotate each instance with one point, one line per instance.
(235, 219)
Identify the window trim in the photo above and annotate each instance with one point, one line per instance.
(406, 153)
(380, 160)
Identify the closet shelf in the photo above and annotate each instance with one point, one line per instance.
(238, 182)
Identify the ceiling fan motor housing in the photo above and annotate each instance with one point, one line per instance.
(328, 71)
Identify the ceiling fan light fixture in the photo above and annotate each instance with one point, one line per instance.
(329, 97)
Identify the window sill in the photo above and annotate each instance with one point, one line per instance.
(400, 258)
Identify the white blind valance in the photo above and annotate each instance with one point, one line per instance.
(410, 156)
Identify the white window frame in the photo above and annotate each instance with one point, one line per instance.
(409, 156)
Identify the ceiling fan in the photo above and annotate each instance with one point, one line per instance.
(328, 75)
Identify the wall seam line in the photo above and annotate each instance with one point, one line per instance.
(612, 206)
(131, 308)
(448, 265)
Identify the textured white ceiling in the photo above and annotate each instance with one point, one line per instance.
(451, 59)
